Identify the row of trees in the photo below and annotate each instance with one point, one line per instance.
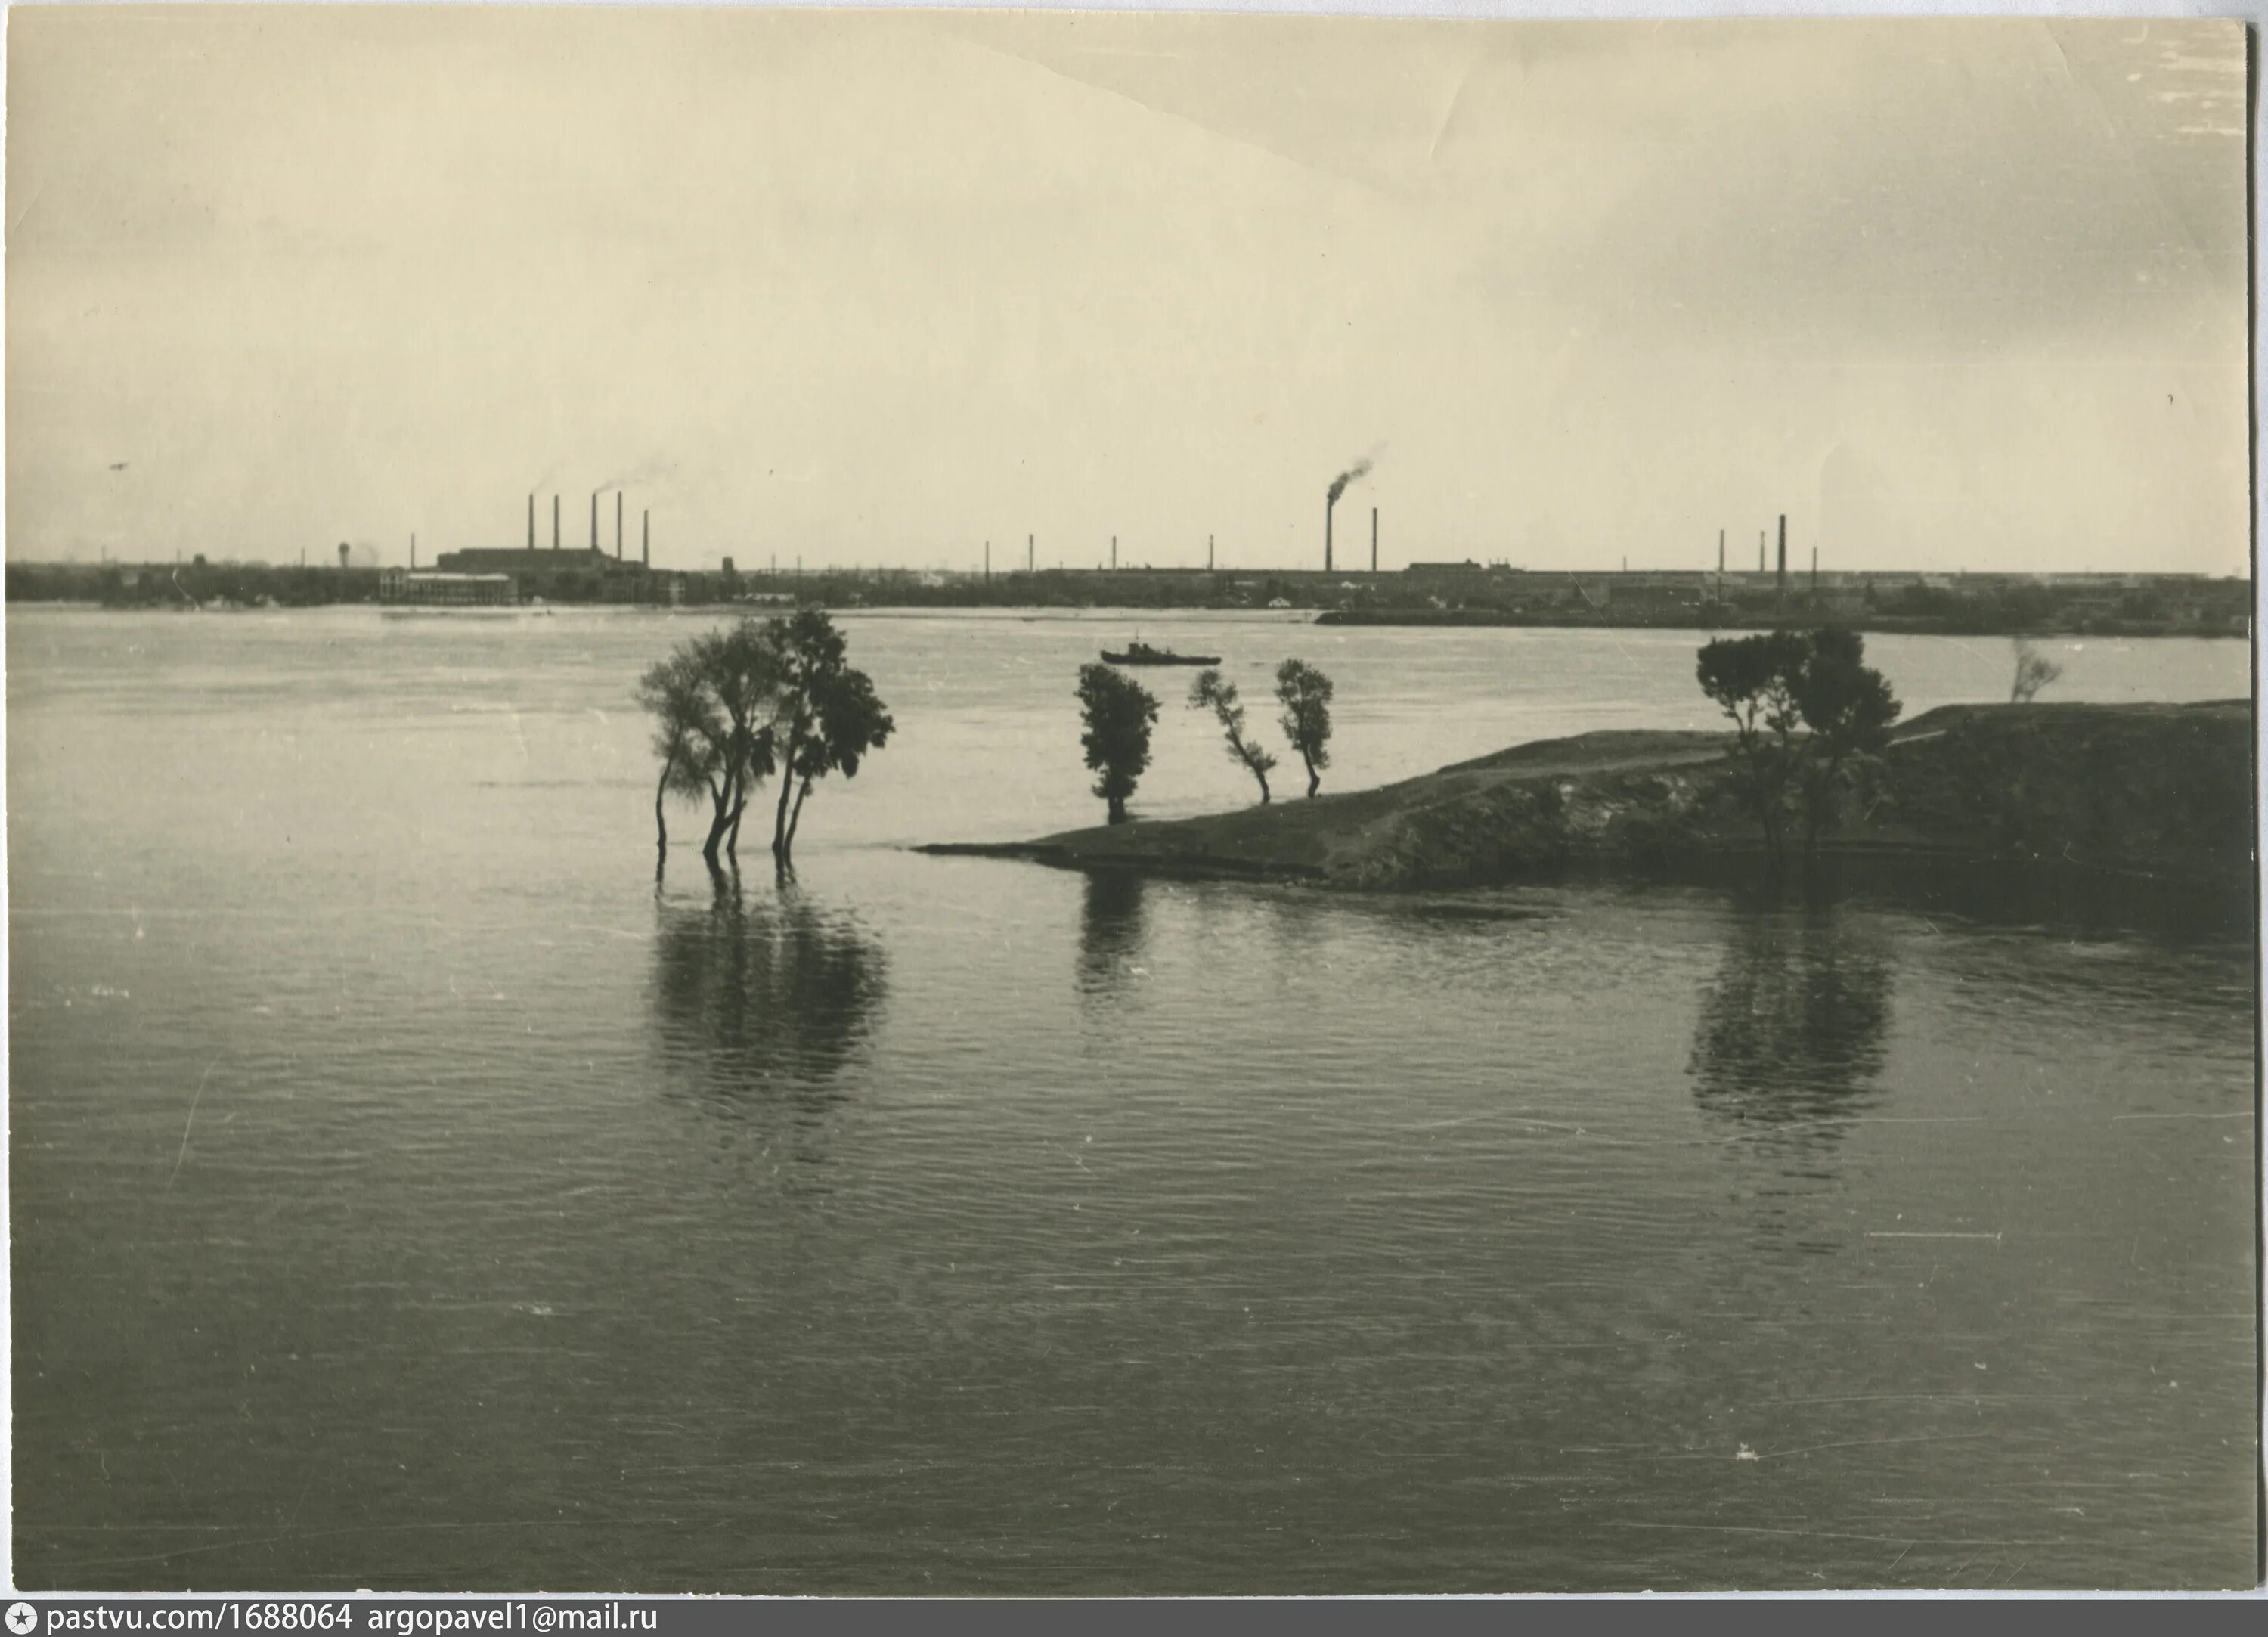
(735, 706)
(1119, 713)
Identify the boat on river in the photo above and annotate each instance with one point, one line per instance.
(1143, 653)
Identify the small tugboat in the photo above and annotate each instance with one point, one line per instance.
(1141, 654)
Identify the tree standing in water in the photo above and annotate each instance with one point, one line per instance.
(2034, 671)
(1209, 692)
(671, 691)
(1305, 694)
(825, 715)
(1118, 713)
(708, 699)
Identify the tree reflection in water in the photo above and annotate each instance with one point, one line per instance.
(1791, 1034)
(1112, 922)
(765, 1002)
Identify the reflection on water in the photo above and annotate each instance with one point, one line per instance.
(1111, 925)
(1024, 1234)
(767, 996)
(1790, 1040)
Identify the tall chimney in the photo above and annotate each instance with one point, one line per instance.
(594, 519)
(531, 522)
(618, 525)
(1815, 570)
(1783, 554)
(1208, 554)
(988, 561)
(1031, 562)
(1720, 554)
(1374, 540)
(1114, 551)
(413, 558)
(645, 539)
(1329, 502)
(555, 522)
(1760, 551)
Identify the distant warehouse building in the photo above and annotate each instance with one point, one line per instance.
(447, 590)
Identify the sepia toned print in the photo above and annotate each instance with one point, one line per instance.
(1000, 803)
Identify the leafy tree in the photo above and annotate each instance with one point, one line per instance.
(1849, 707)
(1211, 692)
(2034, 671)
(826, 716)
(710, 698)
(671, 691)
(1118, 713)
(1752, 680)
(1771, 684)
(1305, 694)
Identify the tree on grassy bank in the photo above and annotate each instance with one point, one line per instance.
(1849, 707)
(1119, 713)
(2034, 671)
(1748, 677)
(1774, 683)
(1211, 692)
(1305, 694)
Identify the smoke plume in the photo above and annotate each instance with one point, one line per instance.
(1339, 483)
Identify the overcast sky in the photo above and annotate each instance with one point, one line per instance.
(878, 287)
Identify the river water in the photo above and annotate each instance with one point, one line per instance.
(407, 1191)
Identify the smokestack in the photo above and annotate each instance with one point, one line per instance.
(1720, 554)
(1114, 551)
(1031, 562)
(1783, 554)
(1331, 500)
(531, 522)
(1208, 554)
(1374, 540)
(988, 561)
(645, 539)
(413, 560)
(618, 525)
(1760, 551)
(555, 522)
(1815, 570)
(594, 519)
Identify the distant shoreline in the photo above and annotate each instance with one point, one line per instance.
(1730, 619)
(1421, 597)
(1459, 620)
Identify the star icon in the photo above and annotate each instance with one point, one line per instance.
(22, 1616)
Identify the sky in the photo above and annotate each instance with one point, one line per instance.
(877, 288)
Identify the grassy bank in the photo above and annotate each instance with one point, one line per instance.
(2155, 790)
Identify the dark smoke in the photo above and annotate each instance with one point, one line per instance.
(1339, 483)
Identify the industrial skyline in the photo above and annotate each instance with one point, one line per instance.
(878, 289)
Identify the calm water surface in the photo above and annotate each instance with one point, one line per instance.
(407, 1193)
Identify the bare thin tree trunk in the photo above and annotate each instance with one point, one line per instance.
(1315, 779)
(723, 817)
(660, 823)
(787, 788)
(793, 819)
